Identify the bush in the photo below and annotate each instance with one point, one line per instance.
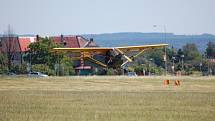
(65, 70)
(188, 68)
(110, 71)
(3, 69)
(66, 67)
(19, 69)
(148, 69)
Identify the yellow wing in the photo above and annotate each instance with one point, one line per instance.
(83, 49)
(141, 47)
(106, 49)
(88, 52)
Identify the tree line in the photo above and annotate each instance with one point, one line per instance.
(40, 58)
(186, 60)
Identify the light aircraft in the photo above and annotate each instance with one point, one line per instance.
(107, 57)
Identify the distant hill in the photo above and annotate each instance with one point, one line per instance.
(137, 38)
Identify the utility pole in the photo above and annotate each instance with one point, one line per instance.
(165, 61)
(200, 67)
(30, 66)
(209, 69)
(58, 71)
(182, 62)
(165, 55)
(173, 65)
(165, 50)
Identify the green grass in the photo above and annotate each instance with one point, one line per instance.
(106, 99)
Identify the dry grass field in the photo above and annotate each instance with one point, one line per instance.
(105, 98)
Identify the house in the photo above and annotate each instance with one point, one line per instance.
(81, 67)
(73, 41)
(17, 46)
(14, 47)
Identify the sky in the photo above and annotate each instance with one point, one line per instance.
(54, 17)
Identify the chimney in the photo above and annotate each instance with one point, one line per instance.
(61, 38)
(37, 38)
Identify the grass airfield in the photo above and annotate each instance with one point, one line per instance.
(107, 98)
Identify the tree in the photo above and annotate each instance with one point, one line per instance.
(192, 58)
(210, 50)
(40, 53)
(191, 52)
(2, 59)
(3, 68)
(44, 60)
(180, 54)
(66, 66)
(157, 56)
(9, 45)
(179, 60)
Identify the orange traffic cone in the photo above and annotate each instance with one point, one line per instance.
(166, 82)
(177, 82)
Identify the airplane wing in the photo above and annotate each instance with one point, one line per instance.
(141, 47)
(88, 52)
(99, 49)
(106, 49)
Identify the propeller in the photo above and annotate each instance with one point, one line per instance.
(113, 61)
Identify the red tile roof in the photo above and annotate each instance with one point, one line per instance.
(71, 42)
(74, 41)
(81, 41)
(24, 42)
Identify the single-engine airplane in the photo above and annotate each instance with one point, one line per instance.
(108, 56)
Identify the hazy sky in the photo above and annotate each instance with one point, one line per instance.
(52, 17)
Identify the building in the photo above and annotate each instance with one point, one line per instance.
(17, 47)
(74, 41)
(77, 42)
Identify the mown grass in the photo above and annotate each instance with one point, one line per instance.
(106, 99)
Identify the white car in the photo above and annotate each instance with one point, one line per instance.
(132, 74)
(37, 74)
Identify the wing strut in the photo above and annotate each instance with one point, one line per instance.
(97, 62)
(135, 56)
(121, 52)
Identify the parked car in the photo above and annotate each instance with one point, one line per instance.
(37, 74)
(11, 74)
(132, 74)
